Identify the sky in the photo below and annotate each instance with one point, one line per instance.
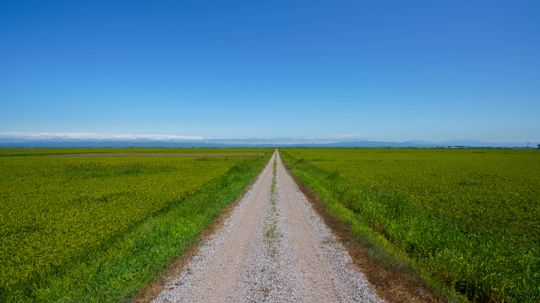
(375, 70)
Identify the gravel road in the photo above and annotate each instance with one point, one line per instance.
(272, 248)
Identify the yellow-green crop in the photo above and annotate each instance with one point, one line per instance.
(67, 221)
(467, 219)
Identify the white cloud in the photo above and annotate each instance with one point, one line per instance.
(93, 136)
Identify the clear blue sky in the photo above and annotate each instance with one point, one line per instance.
(387, 70)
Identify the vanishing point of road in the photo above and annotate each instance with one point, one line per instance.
(273, 247)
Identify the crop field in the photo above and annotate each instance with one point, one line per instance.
(7, 152)
(468, 220)
(79, 228)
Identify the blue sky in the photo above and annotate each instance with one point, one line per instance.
(380, 70)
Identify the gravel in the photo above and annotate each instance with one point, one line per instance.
(273, 248)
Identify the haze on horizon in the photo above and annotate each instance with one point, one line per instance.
(385, 70)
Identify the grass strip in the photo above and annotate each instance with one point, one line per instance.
(118, 271)
(383, 250)
(468, 219)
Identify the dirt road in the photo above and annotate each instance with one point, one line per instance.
(272, 248)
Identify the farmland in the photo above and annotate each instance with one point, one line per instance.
(467, 220)
(82, 228)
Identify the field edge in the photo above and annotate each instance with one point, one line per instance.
(175, 267)
(120, 270)
(395, 276)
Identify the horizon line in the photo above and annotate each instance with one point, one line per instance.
(106, 137)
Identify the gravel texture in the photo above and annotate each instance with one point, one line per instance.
(273, 248)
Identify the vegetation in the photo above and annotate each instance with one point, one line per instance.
(7, 152)
(467, 220)
(100, 228)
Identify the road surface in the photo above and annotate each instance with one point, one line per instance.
(272, 248)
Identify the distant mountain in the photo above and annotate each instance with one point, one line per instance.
(374, 144)
(104, 143)
(471, 143)
(282, 142)
(425, 144)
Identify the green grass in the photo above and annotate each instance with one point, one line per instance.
(99, 229)
(467, 220)
(9, 152)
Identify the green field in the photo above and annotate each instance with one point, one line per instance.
(467, 220)
(87, 228)
(8, 152)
